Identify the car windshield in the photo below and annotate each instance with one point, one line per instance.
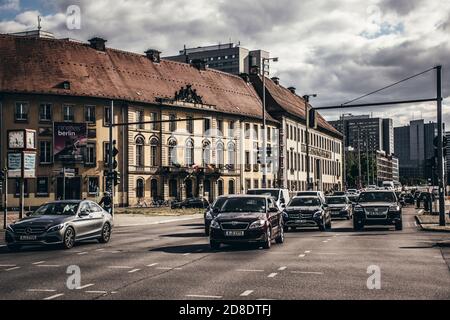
(249, 205)
(336, 200)
(219, 203)
(307, 193)
(57, 209)
(264, 192)
(377, 197)
(304, 202)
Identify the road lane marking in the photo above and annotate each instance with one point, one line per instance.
(282, 268)
(328, 239)
(85, 286)
(48, 265)
(13, 268)
(178, 269)
(97, 292)
(152, 265)
(120, 267)
(7, 265)
(308, 251)
(272, 275)
(246, 270)
(325, 241)
(203, 296)
(302, 255)
(186, 254)
(41, 290)
(134, 270)
(306, 272)
(54, 296)
(82, 253)
(246, 293)
(326, 253)
(39, 262)
(100, 250)
(164, 268)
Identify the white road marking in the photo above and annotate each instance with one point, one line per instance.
(178, 269)
(272, 275)
(96, 292)
(39, 262)
(82, 253)
(7, 265)
(282, 268)
(41, 290)
(85, 286)
(246, 270)
(246, 293)
(54, 296)
(48, 265)
(120, 267)
(100, 250)
(302, 256)
(13, 268)
(325, 241)
(134, 270)
(308, 251)
(203, 296)
(164, 268)
(186, 254)
(327, 253)
(152, 265)
(306, 272)
(328, 239)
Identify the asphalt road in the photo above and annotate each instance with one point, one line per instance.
(173, 261)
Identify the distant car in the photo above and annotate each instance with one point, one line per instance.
(353, 197)
(312, 194)
(281, 196)
(307, 211)
(247, 219)
(191, 203)
(377, 208)
(371, 187)
(338, 193)
(408, 198)
(352, 191)
(340, 206)
(210, 213)
(61, 222)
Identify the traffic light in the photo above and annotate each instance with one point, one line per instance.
(116, 178)
(312, 118)
(114, 155)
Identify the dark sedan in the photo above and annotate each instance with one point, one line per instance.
(247, 219)
(377, 208)
(61, 222)
(340, 207)
(191, 203)
(307, 212)
(210, 213)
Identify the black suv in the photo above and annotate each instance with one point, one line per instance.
(377, 208)
(307, 211)
(196, 203)
(247, 219)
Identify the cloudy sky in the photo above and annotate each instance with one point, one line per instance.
(337, 49)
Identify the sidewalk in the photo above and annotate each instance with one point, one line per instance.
(431, 222)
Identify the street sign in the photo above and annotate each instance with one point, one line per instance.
(29, 161)
(14, 165)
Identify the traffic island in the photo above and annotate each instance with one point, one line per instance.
(430, 222)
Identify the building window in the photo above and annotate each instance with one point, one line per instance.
(172, 156)
(140, 188)
(248, 184)
(189, 156)
(45, 112)
(247, 131)
(45, 152)
(172, 123)
(140, 118)
(89, 114)
(140, 152)
(21, 112)
(17, 187)
(68, 113)
(231, 155)
(90, 154)
(220, 187)
(154, 152)
(42, 187)
(207, 127)
(231, 128)
(189, 124)
(256, 184)
(247, 161)
(220, 128)
(173, 188)
(206, 159)
(107, 116)
(93, 185)
(220, 155)
(231, 187)
(154, 117)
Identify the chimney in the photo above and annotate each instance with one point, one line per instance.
(276, 80)
(153, 55)
(98, 43)
(199, 64)
(245, 77)
(254, 70)
(292, 89)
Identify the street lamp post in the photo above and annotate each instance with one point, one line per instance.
(308, 166)
(264, 159)
(344, 164)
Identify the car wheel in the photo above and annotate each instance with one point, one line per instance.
(214, 245)
(69, 238)
(280, 238)
(399, 225)
(14, 247)
(328, 224)
(268, 243)
(106, 234)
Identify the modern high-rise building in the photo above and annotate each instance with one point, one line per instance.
(229, 57)
(414, 148)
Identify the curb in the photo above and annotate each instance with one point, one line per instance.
(430, 229)
(159, 222)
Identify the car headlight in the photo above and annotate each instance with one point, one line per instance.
(215, 224)
(318, 214)
(394, 208)
(258, 224)
(208, 216)
(359, 209)
(56, 228)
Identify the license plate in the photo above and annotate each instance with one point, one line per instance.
(300, 221)
(28, 238)
(234, 233)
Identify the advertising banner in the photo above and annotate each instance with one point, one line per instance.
(29, 165)
(69, 138)
(14, 165)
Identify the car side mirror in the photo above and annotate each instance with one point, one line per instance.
(84, 213)
(215, 210)
(29, 213)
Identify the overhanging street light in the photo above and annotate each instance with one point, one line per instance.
(308, 167)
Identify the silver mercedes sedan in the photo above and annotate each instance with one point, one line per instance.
(61, 222)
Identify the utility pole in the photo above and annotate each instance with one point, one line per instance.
(110, 156)
(308, 164)
(440, 147)
(5, 201)
(359, 160)
(367, 160)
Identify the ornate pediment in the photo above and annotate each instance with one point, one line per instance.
(187, 94)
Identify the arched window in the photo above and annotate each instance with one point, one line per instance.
(231, 155)
(154, 143)
(231, 188)
(220, 156)
(189, 154)
(140, 151)
(140, 188)
(172, 156)
(206, 153)
(220, 187)
(173, 188)
(154, 188)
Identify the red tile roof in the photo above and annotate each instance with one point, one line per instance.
(32, 65)
(293, 104)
